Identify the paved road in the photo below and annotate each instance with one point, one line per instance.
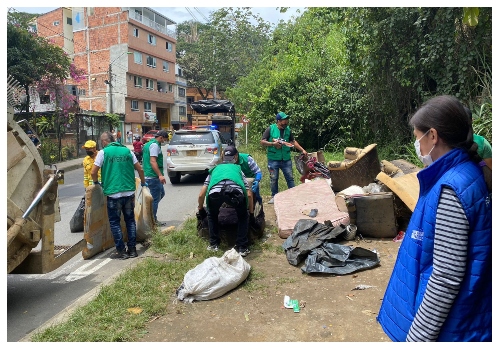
(34, 301)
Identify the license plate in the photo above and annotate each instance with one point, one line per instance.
(191, 153)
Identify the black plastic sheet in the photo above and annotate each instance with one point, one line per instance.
(213, 106)
(316, 243)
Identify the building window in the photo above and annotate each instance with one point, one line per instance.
(151, 39)
(179, 72)
(81, 92)
(147, 106)
(170, 88)
(55, 23)
(134, 105)
(166, 68)
(190, 99)
(182, 92)
(182, 110)
(149, 84)
(136, 32)
(151, 61)
(44, 99)
(69, 21)
(138, 57)
(168, 46)
(137, 81)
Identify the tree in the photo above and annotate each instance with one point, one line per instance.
(35, 62)
(222, 51)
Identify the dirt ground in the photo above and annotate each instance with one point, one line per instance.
(333, 311)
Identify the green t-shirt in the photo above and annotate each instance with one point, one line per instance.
(483, 146)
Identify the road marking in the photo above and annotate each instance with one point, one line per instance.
(82, 272)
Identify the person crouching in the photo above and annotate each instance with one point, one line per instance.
(226, 183)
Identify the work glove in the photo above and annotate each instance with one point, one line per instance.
(201, 214)
(255, 186)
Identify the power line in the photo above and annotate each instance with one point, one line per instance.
(202, 15)
(192, 15)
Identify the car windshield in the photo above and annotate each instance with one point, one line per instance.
(196, 138)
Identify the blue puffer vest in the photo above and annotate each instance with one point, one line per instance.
(470, 318)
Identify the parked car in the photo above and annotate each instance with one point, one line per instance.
(151, 134)
(193, 151)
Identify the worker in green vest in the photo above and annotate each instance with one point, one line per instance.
(117, 164)
(226, 183)
(153, 169)
(279, 140)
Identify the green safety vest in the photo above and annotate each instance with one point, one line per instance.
(278, 154)
(243, 163)
(146, 163)
(117, 171)
(226, 171)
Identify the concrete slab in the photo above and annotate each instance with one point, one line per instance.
(296, 203)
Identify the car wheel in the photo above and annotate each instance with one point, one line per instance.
(174, 180)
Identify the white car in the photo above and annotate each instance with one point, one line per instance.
(193, 151)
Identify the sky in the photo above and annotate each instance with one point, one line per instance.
(179, 14)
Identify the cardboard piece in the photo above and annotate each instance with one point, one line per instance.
(290, 206)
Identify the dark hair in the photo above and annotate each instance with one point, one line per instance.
(448, 116)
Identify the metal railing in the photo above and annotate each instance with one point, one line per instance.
(152, 24)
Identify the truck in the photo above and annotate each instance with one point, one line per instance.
(32, 201)
(223, 117)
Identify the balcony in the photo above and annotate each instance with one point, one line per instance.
(152, 23)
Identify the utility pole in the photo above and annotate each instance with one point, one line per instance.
(110, 91)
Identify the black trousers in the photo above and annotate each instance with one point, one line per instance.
(215, 201)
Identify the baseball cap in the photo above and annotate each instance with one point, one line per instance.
(89, 144)
(281, 116)
(230, 153)
(162, 133)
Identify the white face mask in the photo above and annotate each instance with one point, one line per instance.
(427, 159)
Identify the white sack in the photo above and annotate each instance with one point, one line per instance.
(214, 277)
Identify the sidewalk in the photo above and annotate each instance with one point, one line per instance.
(76, 163)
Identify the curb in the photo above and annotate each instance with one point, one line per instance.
(67, 312)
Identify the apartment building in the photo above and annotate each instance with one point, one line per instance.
(129, 56)
(179, 115)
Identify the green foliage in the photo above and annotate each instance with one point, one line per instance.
(112, 119)
(35, 61)
(49, 150)
(354, 76)
(222, 51)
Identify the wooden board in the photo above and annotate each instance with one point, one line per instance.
(406, 187)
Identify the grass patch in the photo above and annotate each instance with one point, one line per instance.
(148, 287)
(251, 284)
(284, 280)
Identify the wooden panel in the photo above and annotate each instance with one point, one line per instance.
(406, 187)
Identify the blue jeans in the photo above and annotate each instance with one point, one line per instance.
(117, 206)
(286, 167)
(257, 196)
(157, 191)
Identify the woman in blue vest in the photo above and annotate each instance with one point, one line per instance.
(441, 285)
